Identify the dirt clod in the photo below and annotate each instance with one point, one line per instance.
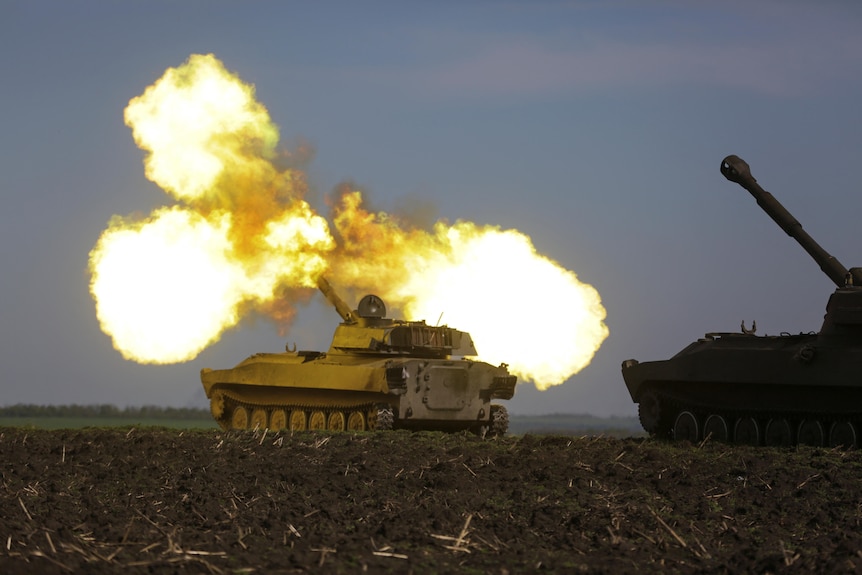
(159, 500)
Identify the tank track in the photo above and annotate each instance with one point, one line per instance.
(232, 412)
(499, 421)
(679, 419)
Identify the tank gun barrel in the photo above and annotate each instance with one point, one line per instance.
(736, 170)
(342, 308)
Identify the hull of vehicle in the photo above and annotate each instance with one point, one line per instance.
(796, 386)
(311, 390)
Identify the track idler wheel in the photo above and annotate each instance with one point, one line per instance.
(217, 406)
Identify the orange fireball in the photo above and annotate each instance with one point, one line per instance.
(168, 286)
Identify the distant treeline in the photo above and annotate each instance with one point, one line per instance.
(104, 411)
(76, 415)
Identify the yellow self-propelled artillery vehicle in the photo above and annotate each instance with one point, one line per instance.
(378, 374)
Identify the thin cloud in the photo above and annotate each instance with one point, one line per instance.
(775, 49)
(523, 68)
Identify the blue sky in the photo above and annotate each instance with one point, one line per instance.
(596, 128)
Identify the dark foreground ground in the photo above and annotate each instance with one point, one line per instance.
(168, 501)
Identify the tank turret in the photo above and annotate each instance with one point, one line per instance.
(367, 330)
(774, 390)
(379, 373)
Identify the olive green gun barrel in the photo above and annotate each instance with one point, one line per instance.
(342, 308)
(736, 170)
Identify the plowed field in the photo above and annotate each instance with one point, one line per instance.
(166, 501)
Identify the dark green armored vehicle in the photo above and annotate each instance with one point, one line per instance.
(772, 390)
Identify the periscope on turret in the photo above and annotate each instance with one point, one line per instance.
(378, 374)
(763, 390)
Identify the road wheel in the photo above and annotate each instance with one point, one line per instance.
(716, 428)
(842, 434)
(746, 431)
(278, 420)
(239, 419)
(811, 433)
(336, 421)
(778, 433)
(298, 420)
(317, 420)
(686, 427)
(258, 419)
(356, 421)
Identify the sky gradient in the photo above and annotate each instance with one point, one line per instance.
(596, 128)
